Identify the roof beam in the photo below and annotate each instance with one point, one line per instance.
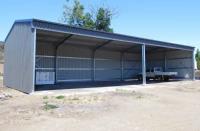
(56, 54)
(62, 28)
(132, 47)
(154, 49)
(104, 44)
(63, 41)
(40, 35)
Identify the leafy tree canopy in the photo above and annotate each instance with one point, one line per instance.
(100, 19)
(103, 20)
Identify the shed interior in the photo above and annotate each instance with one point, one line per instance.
(171, 60)
(64, 57)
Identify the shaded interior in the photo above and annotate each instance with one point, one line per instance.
(75, 58)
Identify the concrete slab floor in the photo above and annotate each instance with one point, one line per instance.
(103, 89)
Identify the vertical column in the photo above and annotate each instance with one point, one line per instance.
(143, 64)
(122, 66)
(55, 65)
(193, 65)
(165, 61)
(34, 58)
(93, 66)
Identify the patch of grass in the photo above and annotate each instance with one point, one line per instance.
(83, 99)
(75, 98)
(139, 97)
(60, 97)
(48, 106)
(135, 94)
(45, 97)
(124, 91)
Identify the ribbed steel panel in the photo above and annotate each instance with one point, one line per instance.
(176, 61)
(44, 62)
(107, 65)
(44, 48)
(19, 58)
(181, 62)
(75, 64)
(132, 65)
(73, 68)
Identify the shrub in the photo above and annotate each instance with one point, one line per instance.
(48, 106)
(45, 97)
(60, 97)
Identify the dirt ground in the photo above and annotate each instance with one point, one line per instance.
(173, 106)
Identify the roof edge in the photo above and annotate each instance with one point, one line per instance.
(18, 22)
(103, 33)
(106, 32)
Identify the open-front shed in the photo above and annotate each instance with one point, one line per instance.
(40, 52)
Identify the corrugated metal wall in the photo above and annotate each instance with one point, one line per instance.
(155, 59)
(44, 57)
(132, 65)
(176, 61)
(181, 62)
(75, 63)
(107, 65)
(19, 58)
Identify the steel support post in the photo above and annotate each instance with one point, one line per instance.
(143, 64)
(55, 66)
(165, 61)
(122, 66)
(56, 54)
(93, 66)
(193, 65)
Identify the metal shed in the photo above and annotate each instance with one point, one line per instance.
(39, 52)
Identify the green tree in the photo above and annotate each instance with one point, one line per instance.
(74, 16)
(197, 56)
(88, 21)
(97, 20)
(103, 20)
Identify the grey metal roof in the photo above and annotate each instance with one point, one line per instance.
(57, 27)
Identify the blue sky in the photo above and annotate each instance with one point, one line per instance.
(175, 21)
